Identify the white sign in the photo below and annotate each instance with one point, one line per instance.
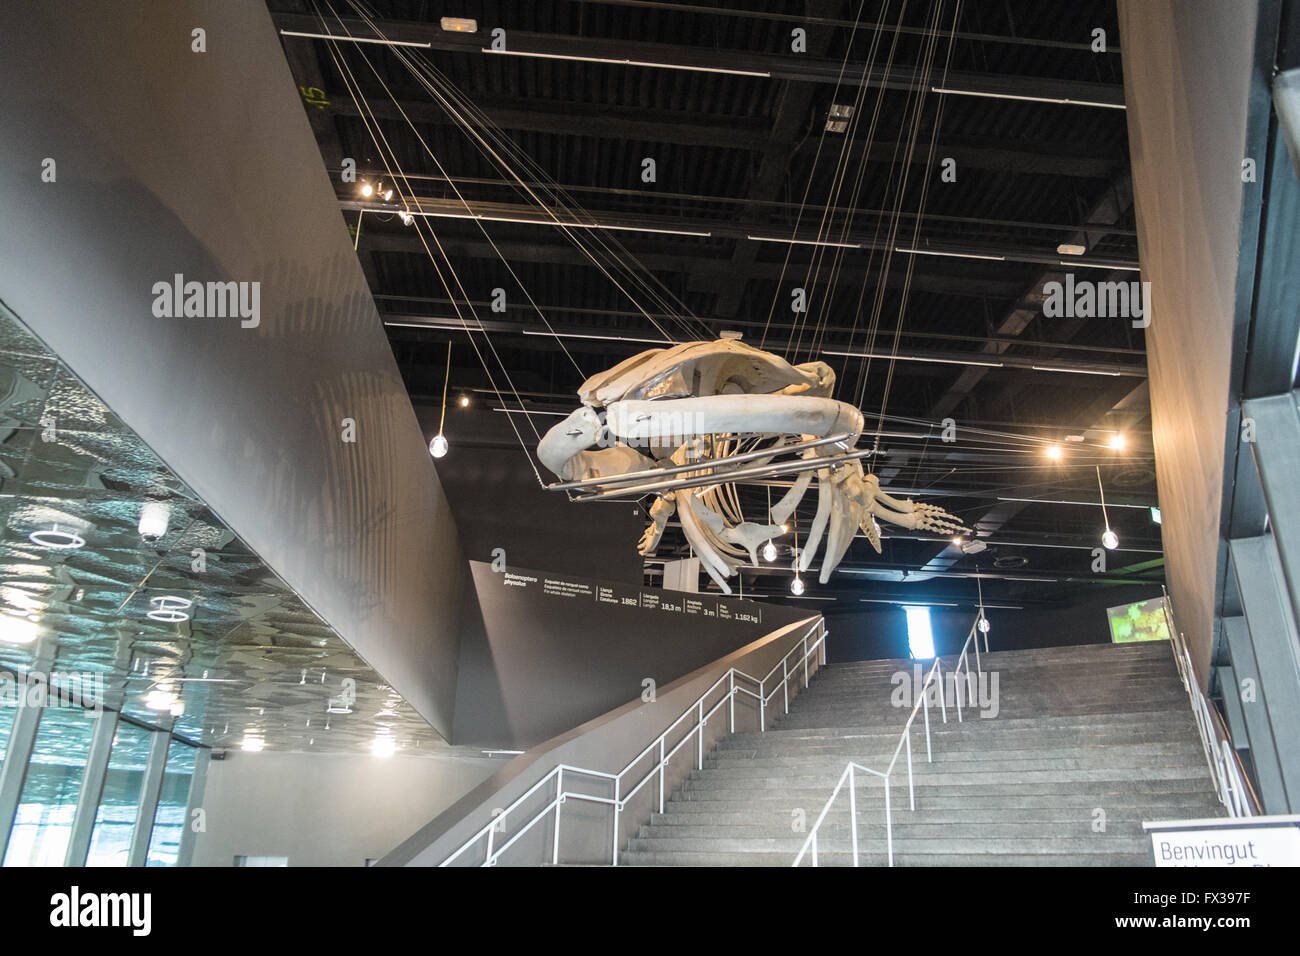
(1246, 841)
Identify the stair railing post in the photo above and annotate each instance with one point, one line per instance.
(617, 809)
(889, 824)
(805, 662)
(663, 769)
(853, 812)
(943, 703)
(925, 703)
(559, 802)
(785, 682)
(699, 745)
(911, 791)
(731, 704)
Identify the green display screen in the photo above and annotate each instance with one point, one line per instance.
(1143, 621)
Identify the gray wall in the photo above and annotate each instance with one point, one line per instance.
(1187, 68)
(171, 161)
(534, 665)
(326, 810)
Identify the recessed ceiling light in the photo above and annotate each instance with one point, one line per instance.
(1071, 249)
(459, 24)
(54, 538)
(169, 609)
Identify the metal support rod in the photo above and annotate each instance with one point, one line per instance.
(753, 471)
(652, 473)
(785, 683)
(805, 662)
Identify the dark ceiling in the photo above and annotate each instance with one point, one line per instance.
(739, 155)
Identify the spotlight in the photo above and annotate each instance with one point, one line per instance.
(957, 539)
(16, 630)
(464, 401)
(154, 516)
(438, 447)
(367, 190)
(785, 529)
(769, 552)
(1118, 441)
(388, 195)
(406, 217)
(160, 698)
(1054, 452)
(1110, 539)
(796, 586)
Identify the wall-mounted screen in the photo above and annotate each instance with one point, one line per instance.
(1143, 621)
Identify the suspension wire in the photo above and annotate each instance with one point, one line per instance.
(916, 229)
(821, 142)
(590, 242)
(915, 105)
(852, 206)
(376, 136)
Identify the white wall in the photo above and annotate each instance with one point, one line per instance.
(323, 810)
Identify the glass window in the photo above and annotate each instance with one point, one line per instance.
(43, 823)
(110, 841)
(169, 821)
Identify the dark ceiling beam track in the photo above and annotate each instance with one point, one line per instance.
(620, 222)
(799, 69)
(937, 279)
(601, 121)
(1072, 366)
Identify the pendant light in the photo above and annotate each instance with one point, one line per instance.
(438, 447)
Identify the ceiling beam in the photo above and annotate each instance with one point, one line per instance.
(799, 69)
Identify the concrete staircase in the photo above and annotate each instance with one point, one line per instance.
(1078, 731)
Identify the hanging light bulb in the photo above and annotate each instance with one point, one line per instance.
(796, 586)
(464, 401)
(769, 551)
(984, 625)
(438, 447)
(1109, 538)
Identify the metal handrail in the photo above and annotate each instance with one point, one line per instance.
(934, 675)
(1231, 782)
(620, 799)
